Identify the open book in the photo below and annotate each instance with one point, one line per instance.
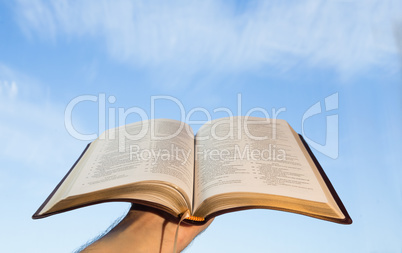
(231, 164)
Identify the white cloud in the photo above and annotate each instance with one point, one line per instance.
(8, 89)
(347, 35)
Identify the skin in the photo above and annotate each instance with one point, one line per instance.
(145, 229)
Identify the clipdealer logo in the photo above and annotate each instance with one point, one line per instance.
(330, 148)
(108, 115)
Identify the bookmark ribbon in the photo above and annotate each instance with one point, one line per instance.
(184, 216)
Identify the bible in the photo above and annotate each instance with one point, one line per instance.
(231, 164)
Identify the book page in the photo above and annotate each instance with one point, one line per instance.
(154, 150)
(252, 154)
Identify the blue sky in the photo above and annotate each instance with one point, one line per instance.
(277, 54)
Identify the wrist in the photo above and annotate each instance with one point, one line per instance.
(138, 231)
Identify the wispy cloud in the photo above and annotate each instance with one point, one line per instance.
(349, 36)
(32, 126)
(8, 89)
(398, 38)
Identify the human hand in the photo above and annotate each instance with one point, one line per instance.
(146, 229)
